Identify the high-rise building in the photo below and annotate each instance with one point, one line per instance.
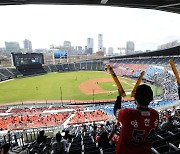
(90, 45)
(67, 47)
(79, 49)
(12, 46)
(104, 50)
(100, 42)
(85, 48)
(67, 44)
(129, 47)
(110, 51)
(27, 45)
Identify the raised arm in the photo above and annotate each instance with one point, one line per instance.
(117, 104)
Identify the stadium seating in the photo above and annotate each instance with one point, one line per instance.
(31, 118)
(46, 68)
(53, 68)
(6, 73)
(72, 67)
(60, 68)
(3, 77)
(31, 71)
(86, 117)
(15, 72)
(84, 140)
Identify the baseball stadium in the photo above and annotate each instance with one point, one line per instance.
(76, 100)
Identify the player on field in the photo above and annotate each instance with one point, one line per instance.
(138, 125)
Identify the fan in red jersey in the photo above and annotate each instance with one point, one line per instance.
(138, 125)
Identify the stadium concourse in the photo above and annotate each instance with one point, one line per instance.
(20, 124)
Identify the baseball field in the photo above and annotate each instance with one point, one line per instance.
(82, 85)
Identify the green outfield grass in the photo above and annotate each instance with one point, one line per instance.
(47, 87)
(112, 86)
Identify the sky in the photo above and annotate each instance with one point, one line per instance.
(44, 25)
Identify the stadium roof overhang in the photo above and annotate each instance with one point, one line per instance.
(175, 51)
(164, 5)
(170, 52)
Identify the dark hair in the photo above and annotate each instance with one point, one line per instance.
(6, 147)
(41, 132)
(144, 94)
(58, 137)
(67, 131)
(103, 140)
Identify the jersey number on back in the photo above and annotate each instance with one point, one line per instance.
(137, 135)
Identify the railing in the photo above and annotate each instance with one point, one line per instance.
(23, 137)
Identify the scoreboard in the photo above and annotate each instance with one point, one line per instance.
(28, 59)
(60, 54)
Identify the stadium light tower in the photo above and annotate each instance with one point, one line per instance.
(52, 47)
(120, 50)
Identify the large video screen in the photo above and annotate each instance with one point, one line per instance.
(60, 54)
(20, 59)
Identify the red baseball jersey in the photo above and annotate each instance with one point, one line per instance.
(137, 130)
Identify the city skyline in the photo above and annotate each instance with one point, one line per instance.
(52, 24)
